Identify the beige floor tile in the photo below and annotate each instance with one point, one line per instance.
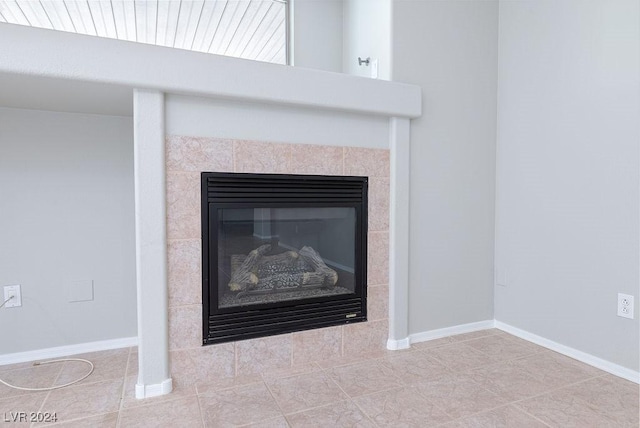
(30, 377)
(183, 412)
(460, 356)
(279, 422)
(303, 368)
(458, 395)
(219, 384)
(412, 367)
(108, 420)
(562, 408)
(104, 368)
(613, 397)
(556, 370)
(294, 394)
(433, 343)
(508, 381)
(403, 407)
(102, 354)
(475, 334)
(502, 347)
(502, 417)
(238, 406)
(348, 360)
(15, 411)
(338, 415)
(84, 400)
(364, 378)
(132, 364)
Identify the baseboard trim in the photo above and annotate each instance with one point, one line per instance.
(62, 351)
(425, 336)
(396, 345)
(594, 361)
(154, 390)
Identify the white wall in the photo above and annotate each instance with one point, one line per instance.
(66, 214)
(317, 34)
(367, 33)
(208, 117)
(568, 172)
(450, 49)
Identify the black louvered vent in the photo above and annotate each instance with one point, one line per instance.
(243, 212)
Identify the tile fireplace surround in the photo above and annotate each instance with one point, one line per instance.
(190, 362)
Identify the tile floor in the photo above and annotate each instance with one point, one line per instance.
(481, 379)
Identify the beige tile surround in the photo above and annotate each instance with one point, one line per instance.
(191, 364)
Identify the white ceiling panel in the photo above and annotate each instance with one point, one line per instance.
(254, 29)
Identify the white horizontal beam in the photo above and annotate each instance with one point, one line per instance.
(47, 53)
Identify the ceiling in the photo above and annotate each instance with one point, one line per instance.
(251, 29)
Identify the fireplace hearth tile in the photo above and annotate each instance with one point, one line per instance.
(191, 367)
(263, 354)
(378, 204)
(186, 158)
(183, 333)
(261, 157)
(310, 159)
(185, 153)
(183, 205)
(378, 258)
(378, 302)
(184, 272)
(366, 339)
(317, 345)
(362, 161)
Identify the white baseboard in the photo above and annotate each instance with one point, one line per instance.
(63, 351)
(450, 331)
(154, 390)
(396, 345)
(594, 361)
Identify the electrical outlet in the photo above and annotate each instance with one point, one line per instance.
(625, 305)
(12, 292)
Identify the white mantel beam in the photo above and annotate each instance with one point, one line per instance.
(54, 54)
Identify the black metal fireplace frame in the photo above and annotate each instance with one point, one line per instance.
(241, 190)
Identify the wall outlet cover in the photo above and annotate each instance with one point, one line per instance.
(12, 291)
(625, 305)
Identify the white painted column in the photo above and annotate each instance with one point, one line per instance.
(399, 143)
(151, 244)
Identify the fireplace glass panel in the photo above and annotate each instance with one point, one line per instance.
(271, 255)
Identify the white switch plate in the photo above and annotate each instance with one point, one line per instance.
(12, 290)
(501, 277)
(80, 290)
(374, 68)
(625, 305)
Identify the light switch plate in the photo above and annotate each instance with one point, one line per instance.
(80, 290)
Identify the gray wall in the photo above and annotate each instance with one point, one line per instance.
(568, 172)
(317, 34)
(66, 214)
(450, 49)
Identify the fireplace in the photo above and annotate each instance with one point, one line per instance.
(281, 253)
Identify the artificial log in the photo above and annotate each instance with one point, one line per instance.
(281, 272)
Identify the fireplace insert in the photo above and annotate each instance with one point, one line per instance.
(281, 253)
